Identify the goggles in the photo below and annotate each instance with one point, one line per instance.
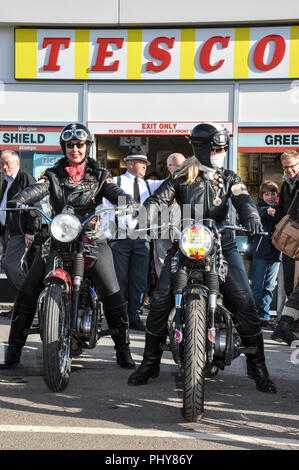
(70, 134)
(220, 138)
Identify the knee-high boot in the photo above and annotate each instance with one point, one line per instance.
(150, 365)
(22, 318)
(256, 364)
(117, 318)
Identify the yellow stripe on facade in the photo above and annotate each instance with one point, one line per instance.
(294, 52)
(187, 65)
(81, 54)
(134, 54)
(26, 53)
(241, 53)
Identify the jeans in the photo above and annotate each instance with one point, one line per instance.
(264, 275)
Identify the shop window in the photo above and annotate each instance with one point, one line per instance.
(254, 168)
(111, 151)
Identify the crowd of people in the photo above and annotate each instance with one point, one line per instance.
(122, 275)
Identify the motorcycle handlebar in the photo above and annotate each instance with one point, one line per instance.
(24, 207)
(119, 210)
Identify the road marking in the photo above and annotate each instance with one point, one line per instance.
(150, 433)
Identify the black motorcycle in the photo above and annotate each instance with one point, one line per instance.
(69, 312)
(202, 336)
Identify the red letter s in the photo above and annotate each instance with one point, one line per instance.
(159, 54)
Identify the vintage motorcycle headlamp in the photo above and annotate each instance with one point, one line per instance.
(196, 242)
(65, 228)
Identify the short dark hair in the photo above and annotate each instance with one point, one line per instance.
(268, 185)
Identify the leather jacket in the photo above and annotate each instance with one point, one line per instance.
(84, 197)
(200, 198)
(286, 195)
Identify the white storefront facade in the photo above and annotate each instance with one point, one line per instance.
(145, 73)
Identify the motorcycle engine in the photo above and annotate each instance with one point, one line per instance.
(221, 334)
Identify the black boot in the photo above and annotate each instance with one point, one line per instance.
(256, 364)
(150, 365)
(117, 318)
(22, 317)
(282, 332)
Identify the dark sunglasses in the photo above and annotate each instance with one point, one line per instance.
(220, 149)
(79, 145)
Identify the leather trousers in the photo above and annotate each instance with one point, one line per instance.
(237, 294)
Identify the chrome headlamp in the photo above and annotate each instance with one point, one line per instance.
(196, 242)
(65, 228)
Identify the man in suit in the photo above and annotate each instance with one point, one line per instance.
(17, 229)
(132, 254)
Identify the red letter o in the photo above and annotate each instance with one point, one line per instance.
(258, 56)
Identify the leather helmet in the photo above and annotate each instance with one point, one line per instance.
(76, 131)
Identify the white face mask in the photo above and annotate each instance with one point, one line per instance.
(217, 159)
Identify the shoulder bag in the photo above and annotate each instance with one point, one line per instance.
(286, 234)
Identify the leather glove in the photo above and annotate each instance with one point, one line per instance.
(254, 226)
(133, 208)
(13, 204)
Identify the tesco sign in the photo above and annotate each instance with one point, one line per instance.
(185, 54)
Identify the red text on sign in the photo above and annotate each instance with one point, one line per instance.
(55, 44)
(205, 55)
(103, 53)
(160, 54)
(259, 53)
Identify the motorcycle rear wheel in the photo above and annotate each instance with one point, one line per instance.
(194, 358)
(56, 337)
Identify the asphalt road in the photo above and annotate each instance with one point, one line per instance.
(99, 411)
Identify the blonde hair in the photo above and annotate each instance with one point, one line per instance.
(289, 154)
(190, 169)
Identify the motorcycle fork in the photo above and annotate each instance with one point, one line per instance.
(78, 272)
(212, 283)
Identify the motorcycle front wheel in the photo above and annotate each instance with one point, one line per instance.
(194, 357)
(56, 337)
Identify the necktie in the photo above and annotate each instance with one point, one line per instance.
(136, 190)
(3, 201)
(3, 188)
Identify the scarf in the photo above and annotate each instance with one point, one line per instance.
(76, 171)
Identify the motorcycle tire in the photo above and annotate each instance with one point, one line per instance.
(194, 358)
(56, 337)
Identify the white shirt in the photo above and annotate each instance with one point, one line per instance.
(10, 180)
(127, 185)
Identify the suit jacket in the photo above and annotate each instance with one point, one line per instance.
(19, 223)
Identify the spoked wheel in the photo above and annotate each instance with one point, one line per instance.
(56, 337)
(194, 357)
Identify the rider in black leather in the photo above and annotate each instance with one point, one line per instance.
(206, 188)
(81, 182)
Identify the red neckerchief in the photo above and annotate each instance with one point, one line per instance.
(76, 171)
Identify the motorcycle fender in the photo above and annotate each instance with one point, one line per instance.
(61, 276)
(199, 290)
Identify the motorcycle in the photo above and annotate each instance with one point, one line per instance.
(69, 312)
(202, 336)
